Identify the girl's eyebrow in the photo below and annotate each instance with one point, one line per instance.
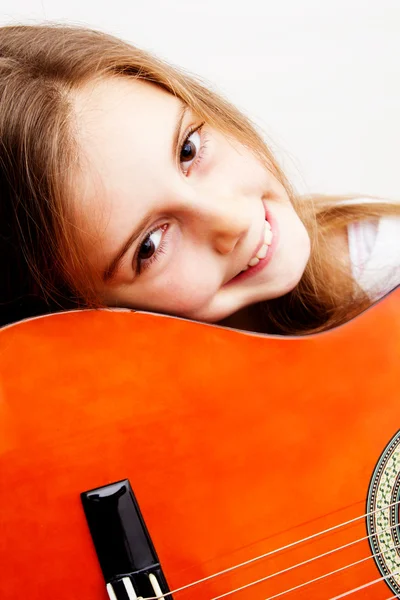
(112, 266)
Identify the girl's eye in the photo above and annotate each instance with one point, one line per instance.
(150, 248)
(190, 152)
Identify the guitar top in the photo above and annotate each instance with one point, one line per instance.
(278, 453)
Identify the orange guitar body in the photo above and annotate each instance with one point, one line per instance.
(235, 445)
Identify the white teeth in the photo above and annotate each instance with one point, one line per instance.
(267, 236)
(262, 253)
(254, 261)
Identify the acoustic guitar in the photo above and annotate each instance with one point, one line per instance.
(145, 456)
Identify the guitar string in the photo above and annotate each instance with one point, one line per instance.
(303, 563)
(277, 550)
(365, 586)
(300, 585)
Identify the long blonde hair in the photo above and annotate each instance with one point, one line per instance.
(43, 266)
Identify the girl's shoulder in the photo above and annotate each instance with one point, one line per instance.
(374, 251)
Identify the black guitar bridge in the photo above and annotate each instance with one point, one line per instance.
(127, 557)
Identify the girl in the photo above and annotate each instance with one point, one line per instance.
(126, 183)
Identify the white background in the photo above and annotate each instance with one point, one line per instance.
(320, 78)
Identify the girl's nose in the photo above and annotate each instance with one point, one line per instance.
(226, 234)
(225, 220)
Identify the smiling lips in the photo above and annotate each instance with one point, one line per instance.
(263, 250)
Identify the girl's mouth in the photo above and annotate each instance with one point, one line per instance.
(263, 250)
(264, 253)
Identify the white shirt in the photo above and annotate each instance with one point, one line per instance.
(374, 247)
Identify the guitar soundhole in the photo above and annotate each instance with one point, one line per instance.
(383, 514)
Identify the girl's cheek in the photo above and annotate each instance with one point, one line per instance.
(187, 296)
(187, 290)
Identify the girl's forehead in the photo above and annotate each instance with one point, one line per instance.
(117, 119)
(112, 97)
(123, 128)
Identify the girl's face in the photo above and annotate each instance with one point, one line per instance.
(176, 211)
